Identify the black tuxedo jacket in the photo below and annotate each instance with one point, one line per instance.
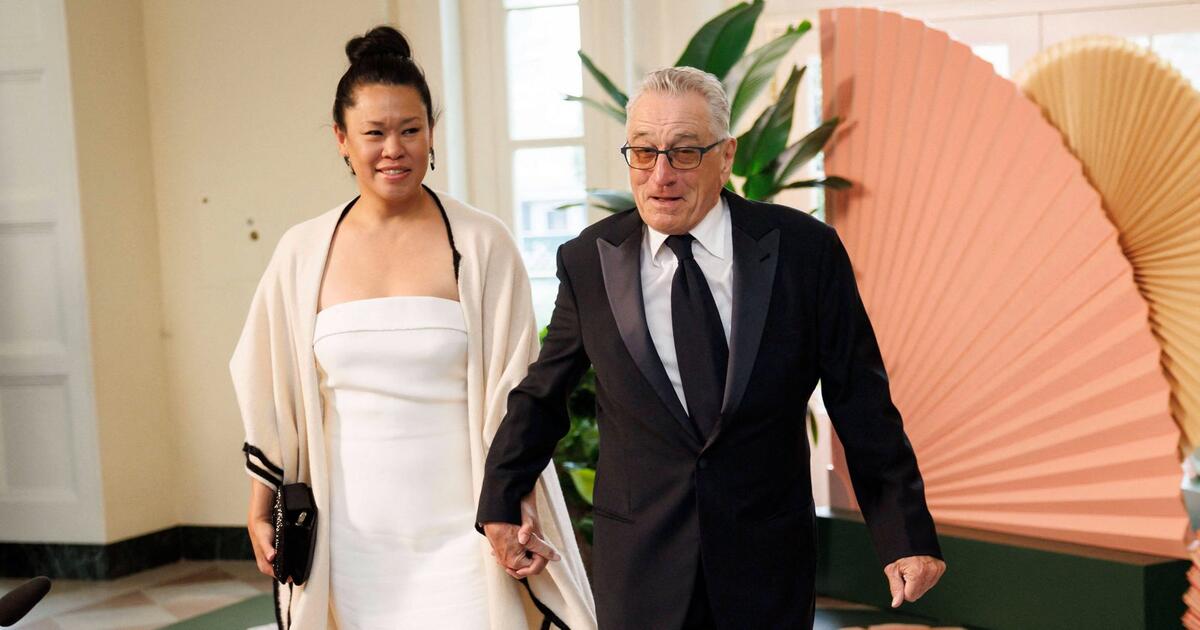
(737, 505)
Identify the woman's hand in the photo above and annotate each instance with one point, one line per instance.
(521, 550)
(262, 530)
(530, 535)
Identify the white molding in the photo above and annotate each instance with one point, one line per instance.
(482, 41)
(453, 97)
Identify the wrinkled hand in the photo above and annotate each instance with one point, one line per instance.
(909, 578)
(521, 550)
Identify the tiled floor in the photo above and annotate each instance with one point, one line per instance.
(150, 599)
(194, 590)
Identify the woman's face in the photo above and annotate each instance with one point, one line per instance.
(387, 138)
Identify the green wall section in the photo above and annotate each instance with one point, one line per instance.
(999, 581)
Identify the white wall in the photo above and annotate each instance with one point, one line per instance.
(120, 229)
(240, 100)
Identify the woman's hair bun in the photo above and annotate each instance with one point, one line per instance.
(381, 40)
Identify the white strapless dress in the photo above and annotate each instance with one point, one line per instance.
(403, 549)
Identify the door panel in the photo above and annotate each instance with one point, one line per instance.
(50, 488)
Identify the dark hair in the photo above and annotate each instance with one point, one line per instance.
(382, 56)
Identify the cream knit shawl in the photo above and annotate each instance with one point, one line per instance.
(275, 375)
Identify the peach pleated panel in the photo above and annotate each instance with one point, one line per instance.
(1134, 122)
(1015, 338)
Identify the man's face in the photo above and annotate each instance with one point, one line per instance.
(670, 200)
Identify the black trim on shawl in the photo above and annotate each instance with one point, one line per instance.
(341, 216)
(455, 255)
(275, 474)
(449, 231)
(548, 615)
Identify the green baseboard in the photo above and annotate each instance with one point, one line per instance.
(121, 558)
(1001, 581)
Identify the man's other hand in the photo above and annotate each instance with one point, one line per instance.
(910, 577)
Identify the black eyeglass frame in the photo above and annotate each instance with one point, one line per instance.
(667, 152)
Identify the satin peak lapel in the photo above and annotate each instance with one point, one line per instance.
(754, 262)
(621, 266)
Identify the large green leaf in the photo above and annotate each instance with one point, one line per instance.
(584, 480)
(611, 88)
(759, 147)
(747, 142)
(751, 74)
(805, 149)
(718, 44)
(759, 187)
(607, 108)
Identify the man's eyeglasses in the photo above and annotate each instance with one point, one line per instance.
(680, 158)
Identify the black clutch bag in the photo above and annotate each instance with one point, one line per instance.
(295, 532)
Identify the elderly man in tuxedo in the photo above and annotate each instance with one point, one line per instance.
(709, 320)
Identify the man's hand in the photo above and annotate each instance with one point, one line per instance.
(910, 577)
(521, 550)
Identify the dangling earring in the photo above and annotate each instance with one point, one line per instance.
(432, 167)
(346, 158)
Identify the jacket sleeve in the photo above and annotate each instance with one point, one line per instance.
(854, 385)
(536, 417)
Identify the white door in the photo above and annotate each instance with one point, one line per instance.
(50, 488)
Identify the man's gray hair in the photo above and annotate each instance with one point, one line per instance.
(683, 80)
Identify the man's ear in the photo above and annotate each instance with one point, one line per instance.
(727, 154)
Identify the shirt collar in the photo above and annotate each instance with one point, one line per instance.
(708, 232)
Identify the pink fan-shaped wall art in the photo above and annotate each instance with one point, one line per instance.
(1015, 338)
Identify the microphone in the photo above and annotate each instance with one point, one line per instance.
(19, 601)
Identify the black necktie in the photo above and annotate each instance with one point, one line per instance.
(700, 345)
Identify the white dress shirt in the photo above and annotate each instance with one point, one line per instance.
(713, 249)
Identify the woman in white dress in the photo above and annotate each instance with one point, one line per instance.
(374, 365)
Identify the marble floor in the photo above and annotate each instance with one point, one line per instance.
(151, 599)
(207, 591)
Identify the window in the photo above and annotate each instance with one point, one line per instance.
(1172, 32)
(544, 136)
(995, 54)
(1181, 50)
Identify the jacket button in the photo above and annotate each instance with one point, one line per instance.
(703, 463)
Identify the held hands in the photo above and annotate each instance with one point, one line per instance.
(910, 577)
(521, 550)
